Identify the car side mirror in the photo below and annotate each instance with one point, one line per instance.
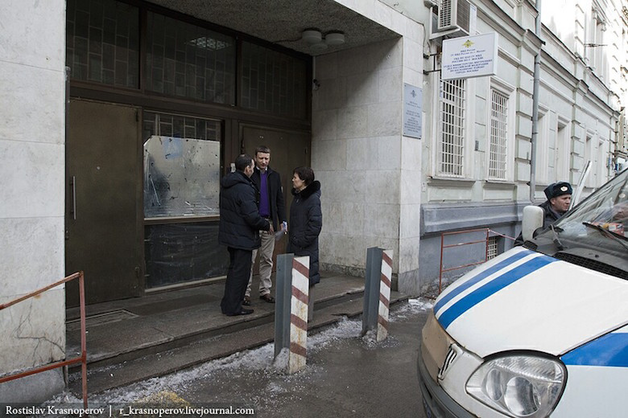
(532, 220)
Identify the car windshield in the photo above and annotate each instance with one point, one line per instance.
(600, 221)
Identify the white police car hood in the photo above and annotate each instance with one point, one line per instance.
(527, 300)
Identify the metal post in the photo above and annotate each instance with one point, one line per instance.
(283, 294)
(371, 289)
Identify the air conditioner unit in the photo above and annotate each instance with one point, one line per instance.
(454, 14)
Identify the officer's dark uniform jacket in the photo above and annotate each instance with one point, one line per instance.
(275, 195)
(240, 221)
(549, 217)
(306, 221)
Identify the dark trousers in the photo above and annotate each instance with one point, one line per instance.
(237, 280)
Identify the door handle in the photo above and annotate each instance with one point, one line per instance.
(73, 197)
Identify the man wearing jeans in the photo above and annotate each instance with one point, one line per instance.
(271, 207)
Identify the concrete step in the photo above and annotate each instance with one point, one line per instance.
(159, 360)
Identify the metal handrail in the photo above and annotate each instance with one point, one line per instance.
(83, 357)
(443, 247)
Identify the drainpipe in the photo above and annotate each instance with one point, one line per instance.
(535, 105)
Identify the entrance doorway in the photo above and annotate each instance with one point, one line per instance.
(103, 201)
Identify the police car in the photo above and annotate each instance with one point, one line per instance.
(540, 330)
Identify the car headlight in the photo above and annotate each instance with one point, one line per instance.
(519, 385)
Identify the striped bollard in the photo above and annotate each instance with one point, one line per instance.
(298, 316)
(291, 308)
(384, 295)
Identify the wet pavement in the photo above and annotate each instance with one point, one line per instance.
(346, 375)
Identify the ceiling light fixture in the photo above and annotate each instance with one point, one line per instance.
(318, 42)
(335, 38)
(312, 36)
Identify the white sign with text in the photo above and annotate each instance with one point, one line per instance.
(470, 56)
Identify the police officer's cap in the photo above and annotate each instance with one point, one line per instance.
(558, 189)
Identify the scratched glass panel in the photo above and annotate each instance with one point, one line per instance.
(181, 177)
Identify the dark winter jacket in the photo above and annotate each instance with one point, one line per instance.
(240, 221)
(306, 221)
(549, 217)
(275, 195)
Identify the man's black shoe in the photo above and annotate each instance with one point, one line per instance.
(242, 311)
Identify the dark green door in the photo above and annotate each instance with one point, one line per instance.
(103, 201)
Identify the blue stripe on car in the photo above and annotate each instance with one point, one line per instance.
(481, 276)
(610, 350)
(490, 288)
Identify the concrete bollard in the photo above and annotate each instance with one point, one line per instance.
(377, 292)
(291, 309)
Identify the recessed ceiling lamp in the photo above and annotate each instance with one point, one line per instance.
(312, 36)
(335, 38)
(321, 46)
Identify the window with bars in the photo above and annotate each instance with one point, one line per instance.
(497, 164)
(189, 61)
(492, 248)
(102, 42)
(273, 82)
(452, 110)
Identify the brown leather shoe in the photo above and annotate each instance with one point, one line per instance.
(267, 298)
(246, 301)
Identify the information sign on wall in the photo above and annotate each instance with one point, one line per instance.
(470, 56)
(412, 111)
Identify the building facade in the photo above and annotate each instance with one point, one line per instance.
(124, 114)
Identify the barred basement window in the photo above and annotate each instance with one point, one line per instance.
(499, 126)
(451, 150)
(492, 249)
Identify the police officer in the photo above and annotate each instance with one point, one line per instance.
(557, 204)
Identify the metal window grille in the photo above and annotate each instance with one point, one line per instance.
(445, 18)
(451, 150)
(499, 125)
(492, 248)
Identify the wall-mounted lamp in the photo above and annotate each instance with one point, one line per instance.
(318, 42)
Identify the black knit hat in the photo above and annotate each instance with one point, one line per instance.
(557, 189)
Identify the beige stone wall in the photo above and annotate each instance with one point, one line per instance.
(32, 137)
(370, 172)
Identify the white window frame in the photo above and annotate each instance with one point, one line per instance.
(562, 150)
(464, 159)
(508, 92)
(590, 155)
(542, 145)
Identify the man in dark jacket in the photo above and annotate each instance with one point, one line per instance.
(557, 204)
(273, 208)
(240, 223)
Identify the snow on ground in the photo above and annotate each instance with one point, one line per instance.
(259, 361)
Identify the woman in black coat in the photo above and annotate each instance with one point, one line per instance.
(306, 219)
